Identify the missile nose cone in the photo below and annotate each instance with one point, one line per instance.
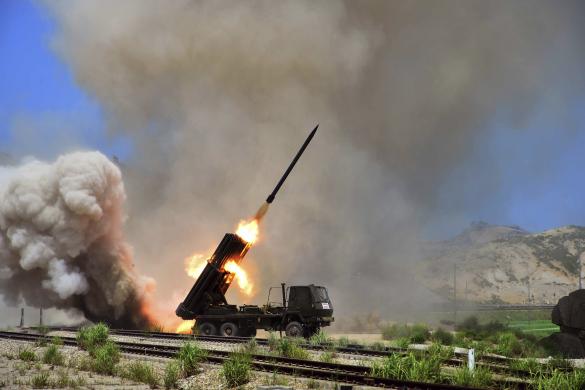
(271, 197)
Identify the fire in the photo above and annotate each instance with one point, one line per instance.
(248, 231)
(194, 265)
(185, 327)
(240, 275)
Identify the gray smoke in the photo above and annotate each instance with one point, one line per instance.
(61, 243)
(217, 95)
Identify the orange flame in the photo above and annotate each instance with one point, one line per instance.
(194, 265)
(185, 327)
(240, 275)
(248, 231)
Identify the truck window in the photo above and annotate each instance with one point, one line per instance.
(300, 295)
(321, 294)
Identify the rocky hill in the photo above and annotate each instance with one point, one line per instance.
(505, 264)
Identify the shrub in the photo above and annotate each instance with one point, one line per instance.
(560, 380)
(189, 357)
(53, 356)
(394, 331)
(378, 346)
(140, 372)
(442, 336)
(89, 338)
(508, 345)
(106, 358)
(27, 355)
(419, 333)
(40, 380)
(171, 376)
(250, 347)
(57, 341)
(342, 342)
(236, 369)
(480, 377)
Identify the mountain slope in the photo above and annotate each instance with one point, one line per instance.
(505, 264)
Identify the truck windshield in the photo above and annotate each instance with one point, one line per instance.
(321, 294)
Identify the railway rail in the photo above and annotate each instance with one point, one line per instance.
(344, 373)
(353, 349)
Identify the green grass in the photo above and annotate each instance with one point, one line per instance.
(171, 375)
(320, 338)
(89, 338)
(236, 370)
(27, 355)
(538, 328)
(442, 336)
(41, 380)
(328, 357)
(53, 356)
(106, 357)
(189, 357)
(480, 377)
(140, 372)
(416, 334)
(409, 367)
(289, 347)
(559, 380)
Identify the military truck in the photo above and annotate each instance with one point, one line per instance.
(302, 311)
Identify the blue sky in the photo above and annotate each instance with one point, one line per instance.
(539, 183)
(37, 90)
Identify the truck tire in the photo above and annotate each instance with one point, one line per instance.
(294, 329)
(207, 329)
(228, 329)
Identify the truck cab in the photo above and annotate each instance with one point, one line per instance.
(307, 309)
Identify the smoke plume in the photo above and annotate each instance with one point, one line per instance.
(217, 96)
(61, 243)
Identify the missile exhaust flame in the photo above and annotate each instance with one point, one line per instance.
(240, 275)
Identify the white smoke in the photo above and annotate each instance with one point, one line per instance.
(61, 242)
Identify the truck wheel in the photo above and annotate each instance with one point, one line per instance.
(207, 329)
(294, 329)
(228, 329)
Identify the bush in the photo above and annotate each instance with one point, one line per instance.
(395, 331)
(189, 357)
(402, 342)
(560, 380)
(419, 333)
(27, 355)
(442, 336)
(480, 377)
(89, 338)
(53, 356)
(106, 358)
(236, 369)
(140, 372)
(171, 376)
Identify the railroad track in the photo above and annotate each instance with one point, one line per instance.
(353, 349)
(353, 374)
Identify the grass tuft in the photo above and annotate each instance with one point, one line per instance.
(236, 370)
(480, 377)
(53, 356)
(189, 357)
(92, 337)
(171, 376)
(105, 358)
(290, 347)
(140, 372)
(27, 355)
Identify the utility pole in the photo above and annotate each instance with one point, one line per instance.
(580, 266)
(455, 294)
(41, 316)
(21, 317)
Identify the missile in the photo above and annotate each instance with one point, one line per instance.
(271, 197)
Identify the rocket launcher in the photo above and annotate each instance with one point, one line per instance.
(212, 284)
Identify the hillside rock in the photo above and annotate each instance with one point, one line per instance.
(505, 264)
